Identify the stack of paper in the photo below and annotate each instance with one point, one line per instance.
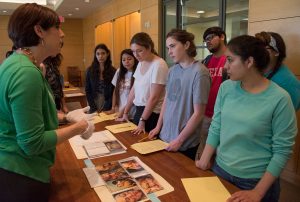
(149, 146)
(205, 189)
(122, 127)
(104, 117)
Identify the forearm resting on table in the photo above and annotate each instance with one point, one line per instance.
(204, 162)
(264, 184)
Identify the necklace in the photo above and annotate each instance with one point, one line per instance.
(28, 53)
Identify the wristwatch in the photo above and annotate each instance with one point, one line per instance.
(143, 120)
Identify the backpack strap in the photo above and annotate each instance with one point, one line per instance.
(206, 60)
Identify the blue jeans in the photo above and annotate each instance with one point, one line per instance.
(272, 194)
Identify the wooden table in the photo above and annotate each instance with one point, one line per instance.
(70, 184)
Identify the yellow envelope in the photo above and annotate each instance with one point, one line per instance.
(122, 127)
(149, 146)
(205, 189)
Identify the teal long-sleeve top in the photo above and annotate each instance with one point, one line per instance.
(28, 119)
(253, 133)
(289, 82)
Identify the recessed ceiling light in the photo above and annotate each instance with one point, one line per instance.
(200, 12)
(77, 9)
(70, 14)
(87, 1)
(4, 11)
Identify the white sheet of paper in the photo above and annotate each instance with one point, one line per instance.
(96, 149)
(77, 143)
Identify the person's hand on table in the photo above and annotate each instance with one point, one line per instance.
(246, 195)
(124, 117)
(140, 129)
(174, 145)
(112, 111)
(203, 164)
(153, 133)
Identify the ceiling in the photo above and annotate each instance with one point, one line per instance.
(65, 8)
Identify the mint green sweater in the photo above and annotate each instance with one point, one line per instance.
(253, 133)
(28, 119)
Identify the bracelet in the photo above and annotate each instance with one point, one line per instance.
(143, 120)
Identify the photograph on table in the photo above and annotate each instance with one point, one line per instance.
(149, 184)
(120, 184)
(114, 174)
(133, 195)
(131, 166)
(108, 166)
(114, 146)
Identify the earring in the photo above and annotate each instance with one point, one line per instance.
(43, 43)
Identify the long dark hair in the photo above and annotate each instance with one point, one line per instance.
(108, 71)
(122, 72)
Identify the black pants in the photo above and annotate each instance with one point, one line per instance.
(19, 188)
(191, 152)
(151, 121)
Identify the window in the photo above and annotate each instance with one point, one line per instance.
(197, 15)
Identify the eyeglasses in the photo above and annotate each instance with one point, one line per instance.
(209, 37)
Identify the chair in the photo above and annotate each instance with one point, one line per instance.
(74, 76)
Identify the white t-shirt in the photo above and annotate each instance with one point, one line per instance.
(124, 88)
(156, 74)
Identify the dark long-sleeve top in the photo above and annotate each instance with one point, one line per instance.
(91, 89)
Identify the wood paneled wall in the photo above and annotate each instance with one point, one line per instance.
(72, 50)
(283, 17)
(88, 40)
(5, 42)
(151, 21)
(140, 15)
(116, 34)
(73, 43)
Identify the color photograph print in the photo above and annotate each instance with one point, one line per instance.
(114, 146)
(120, 184)
(132, 166)
(149, 184)
(115, 174)
(108, 166)
(133, 195)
